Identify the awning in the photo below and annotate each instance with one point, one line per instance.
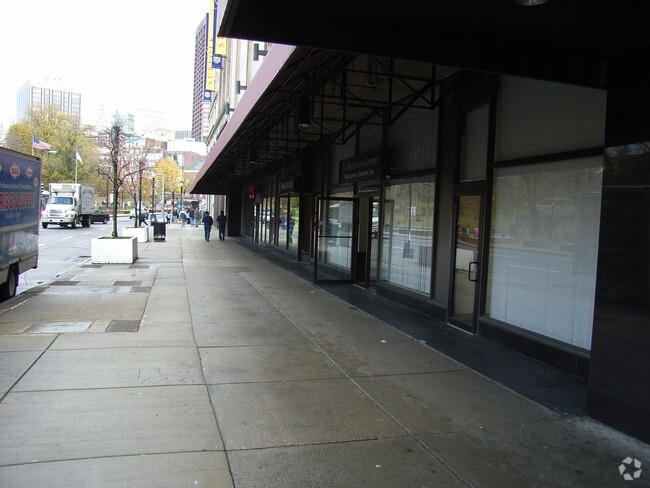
(302, 97)
(565, 41)
(556, 41)
(213, 178)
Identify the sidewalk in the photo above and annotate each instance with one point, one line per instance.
(204, 364)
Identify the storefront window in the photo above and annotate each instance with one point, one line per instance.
(293, 223)
(266, 221)
(543, 248)
(408, 234)
(289, 208)
(283, 212)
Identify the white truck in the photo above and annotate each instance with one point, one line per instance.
(20, 205)
(69, 204)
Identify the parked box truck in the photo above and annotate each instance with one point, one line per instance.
(20, 206)
(69, 204)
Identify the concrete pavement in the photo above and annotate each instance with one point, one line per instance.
(203, 364)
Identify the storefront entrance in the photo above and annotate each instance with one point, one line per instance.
(336, 239)
(347, 240)
(368, 241)
(465, 289)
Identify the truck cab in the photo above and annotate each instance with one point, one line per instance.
(69, 204)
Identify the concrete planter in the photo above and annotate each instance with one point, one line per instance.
(109, 250)
(142, 233)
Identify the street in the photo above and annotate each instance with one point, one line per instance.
(62, 247)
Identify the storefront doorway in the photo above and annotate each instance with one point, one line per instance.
(465, 289)
(368, 241)
(336, 239)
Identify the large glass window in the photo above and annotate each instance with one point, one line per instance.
(293, 223)
(283, 211)
(407, 233)
(289, 213)
(543, 248)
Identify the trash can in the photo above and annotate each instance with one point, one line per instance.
(159, 231)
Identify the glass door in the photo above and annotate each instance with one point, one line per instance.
(373, 272)
(335, 242)
(467, 262)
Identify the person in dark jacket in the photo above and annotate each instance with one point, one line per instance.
(208, 221)
(222, 220)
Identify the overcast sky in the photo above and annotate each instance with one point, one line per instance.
(121, 55)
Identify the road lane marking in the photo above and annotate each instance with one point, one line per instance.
(66, 238)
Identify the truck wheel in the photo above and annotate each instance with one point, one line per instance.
(44, 224)
(8, 289)
(73, 224)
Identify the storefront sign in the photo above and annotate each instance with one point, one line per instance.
(289, 185)
(360, 168)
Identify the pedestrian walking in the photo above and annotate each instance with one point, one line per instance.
(191, 217)
(208, 221)
(182, 218)
(222, 220)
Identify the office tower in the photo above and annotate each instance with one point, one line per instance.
(45, 94)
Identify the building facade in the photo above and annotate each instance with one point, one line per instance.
(202, 96)
(508, 202)
(44, 95)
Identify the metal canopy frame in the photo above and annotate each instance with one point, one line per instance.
(338, 93)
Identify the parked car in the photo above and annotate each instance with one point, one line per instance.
(145, 211)
(100, 216)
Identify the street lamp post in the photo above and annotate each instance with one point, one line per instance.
(114, 156)
(153, 191)
(162, 200)
(180, 207)
(138, 210)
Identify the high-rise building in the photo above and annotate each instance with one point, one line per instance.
(202, 95)
(46, 94)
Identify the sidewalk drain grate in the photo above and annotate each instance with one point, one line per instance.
(141, 289)
(65, 283)
(127, 283)
(58, 327)
(123, 326)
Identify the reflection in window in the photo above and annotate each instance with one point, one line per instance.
(544, 242)
(267, 221)
(292, 223)
(408, 234)
(289, 211)
(283, 211)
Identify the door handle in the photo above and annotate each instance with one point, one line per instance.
(472, 271)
